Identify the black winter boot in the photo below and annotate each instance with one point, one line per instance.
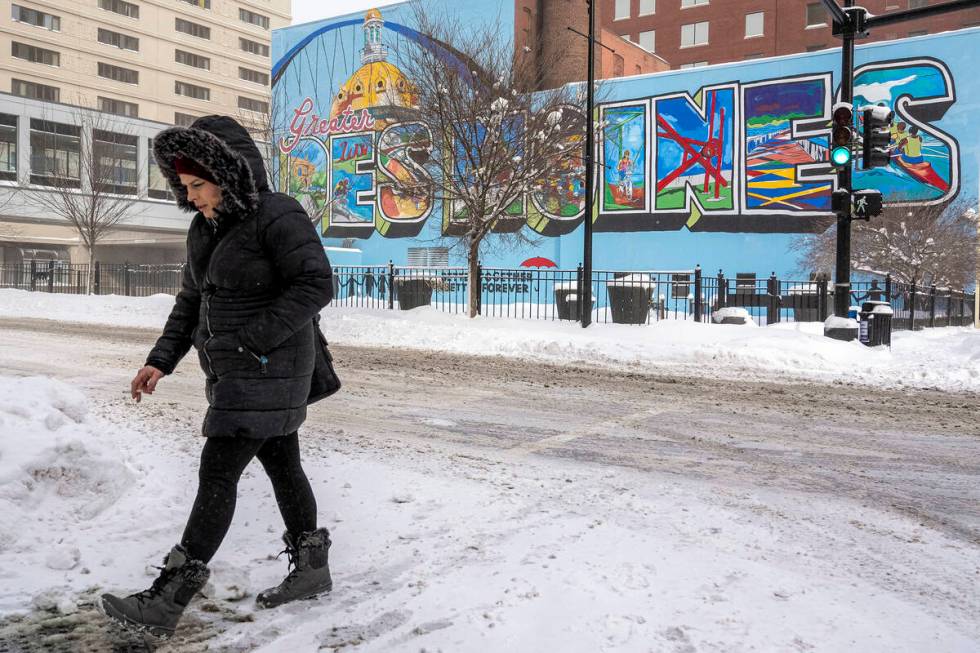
(310, 573)
(158, 609)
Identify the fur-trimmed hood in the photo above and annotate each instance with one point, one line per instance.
(225, 149)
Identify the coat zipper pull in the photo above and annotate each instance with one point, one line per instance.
(263, 360)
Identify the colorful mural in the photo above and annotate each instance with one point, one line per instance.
(736, 149)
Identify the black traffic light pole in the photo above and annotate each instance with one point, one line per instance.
(849, 22)
(842, 274)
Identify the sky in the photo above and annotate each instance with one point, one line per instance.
(305, 11)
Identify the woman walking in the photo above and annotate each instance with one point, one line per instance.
(255, 280)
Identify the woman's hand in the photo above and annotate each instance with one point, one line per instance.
(145, 381)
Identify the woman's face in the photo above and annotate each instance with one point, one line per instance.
(204, 195)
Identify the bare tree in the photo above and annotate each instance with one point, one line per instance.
(89, 172)
(494, 139)
(266, 128)
(926, 244)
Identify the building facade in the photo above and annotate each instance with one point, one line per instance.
(691, 33)
(99, 78)
(168, 61)
(544, 29)
(724, 166)
(46, 148)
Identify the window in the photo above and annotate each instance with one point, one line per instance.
(203, 4)
(191, 90)
(695, 64)
(915, 4)
(648, 40)
(919, 32)
(118, 73)
(754, 24)
(118, 107)
(258, 106)
(253, 76)
(816, 15)
(121, 41)
(8, 147)
(35, 91)
(693, 3)
(183, 119)
(35, 54)
(619, 65)
(814, 48)
(622, 9)
(253, 18)
(158, 187)
(35, 17)
(114, 159)
(120, 7)
(187, 27)
(191, 59)
(55, 154)
(260, 49)
(753, 55)
(694, 34)
(648, 7)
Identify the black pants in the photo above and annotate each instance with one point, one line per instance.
(222, 463)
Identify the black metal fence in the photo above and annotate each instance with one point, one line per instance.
(636, 297)
(107, 278)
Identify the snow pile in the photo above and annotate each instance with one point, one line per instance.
(53, 467)
(945, 358)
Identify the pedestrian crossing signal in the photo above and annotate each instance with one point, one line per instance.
(866, 204)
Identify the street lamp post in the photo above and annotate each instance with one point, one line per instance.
(585, 282)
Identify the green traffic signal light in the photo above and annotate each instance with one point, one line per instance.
(840, 156)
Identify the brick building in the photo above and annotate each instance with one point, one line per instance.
(541, 29)
(690, 33)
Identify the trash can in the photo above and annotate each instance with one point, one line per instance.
(413, 292)
(630, 298)
(567, 301)
(876, 324)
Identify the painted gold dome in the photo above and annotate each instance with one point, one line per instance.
(376, 84)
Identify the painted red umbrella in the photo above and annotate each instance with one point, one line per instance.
(539, 262)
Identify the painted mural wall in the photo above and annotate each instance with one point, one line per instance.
(720, 166)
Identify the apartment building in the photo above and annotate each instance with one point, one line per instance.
(164, 60)
(691, 33)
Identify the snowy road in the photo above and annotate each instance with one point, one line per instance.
(484, 504)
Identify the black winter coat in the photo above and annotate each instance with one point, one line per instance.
(255, 278)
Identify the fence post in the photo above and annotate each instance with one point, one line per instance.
(479, 288)
(932, 306)
(50, 276)
(949, 307)
(962, 308)
(126, 269)
(772, 310)
(697, 293)
(912, 298)
(888, 287)
(822, 298)
(391, 285)
(722, 289)
(33, 275)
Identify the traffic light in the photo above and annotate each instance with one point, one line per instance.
(866, 204)
(842, 135)
(877, 137)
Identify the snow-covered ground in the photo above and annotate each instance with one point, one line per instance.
(442, 545)
(443, 551)
(944, 358)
